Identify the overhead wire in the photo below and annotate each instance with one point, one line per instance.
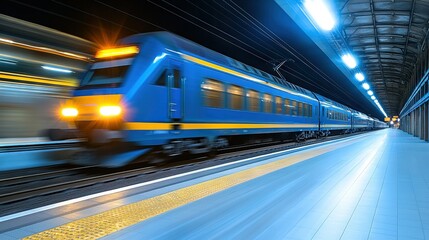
(287, 47)
(250, 36)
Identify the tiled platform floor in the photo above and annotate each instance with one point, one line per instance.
(374, 187)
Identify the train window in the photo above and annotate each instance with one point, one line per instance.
(300, 109)
(310, 110)
(287, 106)
(278, 105)
(176, 78)
(213, 92)
(294, 108)
(236, 94)
(306, 110)
(253, 100)
(111, 76)
(268, 103)
(161, 81)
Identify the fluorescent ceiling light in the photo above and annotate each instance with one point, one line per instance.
(8, 61)
(349, 60)
(370, 93)
(365, 86)
(373, 97)
(57, 69)
(320, 12)
(6, 40)
(360, 77)
(376, 101)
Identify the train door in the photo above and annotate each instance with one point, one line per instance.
(175, 91)
(322, 117)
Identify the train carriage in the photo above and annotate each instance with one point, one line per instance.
(334, 117)
(159, 90)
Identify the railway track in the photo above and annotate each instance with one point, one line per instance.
(46, 185)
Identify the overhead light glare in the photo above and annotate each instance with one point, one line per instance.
(365, 86)
(370, 93)
(55, 69)
(360, 77)
(6, 40)
(8, 61)
(349, 60)
(320, 12)
(373, 97)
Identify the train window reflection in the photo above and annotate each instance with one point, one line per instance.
(278, 105)
(294, 108)
(287, 106)
(161, 81)
(268, 103)
(236, 94)
(176, 78)
(213, 93)
(253, 100)
(300, 109)
(112, 76)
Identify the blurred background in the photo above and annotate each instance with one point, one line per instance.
(39, 67)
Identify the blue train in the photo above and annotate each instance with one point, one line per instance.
(159, 90)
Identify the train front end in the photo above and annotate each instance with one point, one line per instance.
(97, 111)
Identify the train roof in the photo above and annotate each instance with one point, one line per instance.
(327, 101)
(180, 44)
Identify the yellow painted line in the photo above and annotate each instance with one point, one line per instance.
(36, 79)
(45, 50)
(207, 126)
(108, 222)
(147, 126)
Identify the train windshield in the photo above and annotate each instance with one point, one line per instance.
(105, 75)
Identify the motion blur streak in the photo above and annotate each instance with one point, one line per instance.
(30, 94)
(44, 49)
(35, 79)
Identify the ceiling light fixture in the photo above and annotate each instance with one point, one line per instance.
(320, 12)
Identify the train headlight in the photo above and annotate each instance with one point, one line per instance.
(69, 112)
(110, 111)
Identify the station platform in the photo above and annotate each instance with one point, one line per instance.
(5, 142)
(370, 186)
(22, 153)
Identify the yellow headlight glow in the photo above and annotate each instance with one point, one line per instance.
(116, 52)
(109, 111)
(69, 112)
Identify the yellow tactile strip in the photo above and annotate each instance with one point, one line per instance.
(113, 220)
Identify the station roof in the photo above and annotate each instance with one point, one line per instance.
(385, 35)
